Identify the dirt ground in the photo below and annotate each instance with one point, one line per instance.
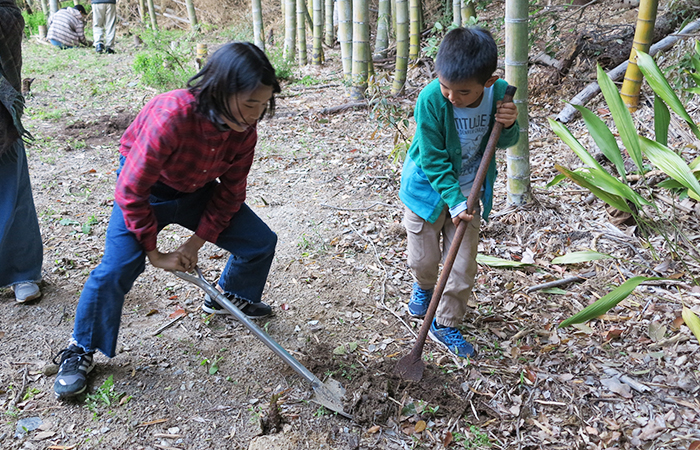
(339, 285)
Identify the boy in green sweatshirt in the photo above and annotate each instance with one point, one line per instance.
(454, 116)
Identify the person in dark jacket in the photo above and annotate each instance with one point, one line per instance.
(21, 251)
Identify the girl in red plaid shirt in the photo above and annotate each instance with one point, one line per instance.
(185, 160)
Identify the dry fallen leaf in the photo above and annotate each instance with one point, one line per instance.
(617, 387)
(447, 440)
(420, 426)
(178, 312)
(695, 445)
(374, 429)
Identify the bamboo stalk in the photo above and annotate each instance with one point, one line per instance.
(258, 32)
(414, 29)
(383, 17)
(301, 33)
(345, 35)
(457, 13)
(518, 156)
(329, 29)
(152, 15)
(290, 32)
(360, 48)
(468, 11)
(402, 47)
(317, 52)
(191, 14)
(643, 35)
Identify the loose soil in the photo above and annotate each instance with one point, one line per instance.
(339, 285)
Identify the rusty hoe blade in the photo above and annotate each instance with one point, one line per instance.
(411, 366)
(329, 394)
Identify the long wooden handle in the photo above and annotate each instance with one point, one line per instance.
(472, 200)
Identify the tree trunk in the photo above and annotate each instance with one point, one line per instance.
(152, 14)
(317, 53)
(468, 11)
(518, 156)
(457, 13)
(301, 33)
(402, 44)
(192, 14)
(258, 32)
(53, 6)
(290, 30)
(360, 48)
(329, 28)
(383, 18)
(414, 29)
(345, 35)
(643, 35)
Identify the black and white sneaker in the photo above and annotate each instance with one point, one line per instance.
(72, 374)
(256, 310)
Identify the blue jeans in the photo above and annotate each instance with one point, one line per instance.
(60, 45)
(21, 251)
(248, 239)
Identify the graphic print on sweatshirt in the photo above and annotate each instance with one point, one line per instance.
(472, 125)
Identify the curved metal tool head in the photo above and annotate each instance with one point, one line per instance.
(329, 395)
(410, 368)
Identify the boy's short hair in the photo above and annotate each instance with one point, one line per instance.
(80, 8)
(467, 54)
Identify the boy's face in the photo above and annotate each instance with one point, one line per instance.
(465, 94)
(247, 107)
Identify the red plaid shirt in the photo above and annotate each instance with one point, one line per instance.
(171, 143)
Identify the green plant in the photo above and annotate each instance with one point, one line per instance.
(284, 69)
(30, 392)
(473, 438)
(162, 66)
(104, 396)
(32, 22)
(390, 114)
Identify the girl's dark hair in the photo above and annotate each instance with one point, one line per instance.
(237, 67)
(467, 54)
(80, 8)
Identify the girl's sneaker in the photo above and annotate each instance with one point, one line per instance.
(72, 375)
(451, 339)
(256, 310)
(419, 302)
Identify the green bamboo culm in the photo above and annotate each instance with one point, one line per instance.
(317, 51)
(383, 18)
(192, 14)
(414, 29)
(457, 13)
(301, 33)
(518, 157)
(258, 32)
(142, 10)
(402, 47)
(53, 6)
(290, 30)
(468, 11)
(328, 28)
(606, 303)
(345, 36)
(643, 36)
(152, 14)
(360, 48)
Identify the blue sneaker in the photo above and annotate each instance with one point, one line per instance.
(419, 302)
(451, 339)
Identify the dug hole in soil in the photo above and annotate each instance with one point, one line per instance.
(339, 284)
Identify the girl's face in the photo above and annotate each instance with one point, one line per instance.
(247, 107)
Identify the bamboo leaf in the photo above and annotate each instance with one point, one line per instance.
(556, 180)
(603, 138)
(580, 257)
(573, 144)
(671, 164)
(611, 185)
(612, 200)
(555, 290)
(662, 119)
(604, 304)
(622, 118)
(658, 83)
(492, 261)
(693, 322)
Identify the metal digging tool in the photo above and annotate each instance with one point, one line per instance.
(328, 394)
(411, 366)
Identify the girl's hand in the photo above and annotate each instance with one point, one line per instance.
(168, 261)
(190, 250)
(463, 216)
(506, 113)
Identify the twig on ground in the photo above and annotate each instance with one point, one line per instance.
(561, 282)
(324, 205)
(168, 325)
(20, 392)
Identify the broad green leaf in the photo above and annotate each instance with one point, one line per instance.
(613, 200)
(695, 90)
(604, 304)
(692, 321)
(579, 257)
(573, 144)
(662, 119)
(556, 180)
(555, 290)
(622, 118)
(658, 83)
(611, 185)
(671, 164)
(492, 261)
(694, 164)
(603, 138)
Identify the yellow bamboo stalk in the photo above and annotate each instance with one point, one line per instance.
(290, 31)
(402, 44)
(646, 18)
(414, 29)
(301, 33)
(360, 48)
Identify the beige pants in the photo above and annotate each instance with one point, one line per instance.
(104, 23)
(425, 255)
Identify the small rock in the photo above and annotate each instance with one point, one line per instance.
(50, 370)
(26, 425)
